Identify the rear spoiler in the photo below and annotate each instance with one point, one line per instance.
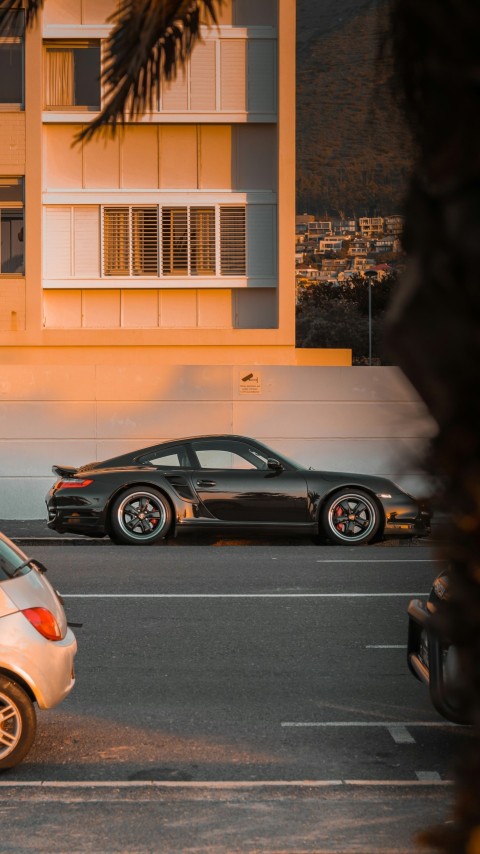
(64, 471)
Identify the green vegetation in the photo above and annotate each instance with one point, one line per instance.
(337, 315)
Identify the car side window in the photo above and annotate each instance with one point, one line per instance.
(231, 455)
(168, 459)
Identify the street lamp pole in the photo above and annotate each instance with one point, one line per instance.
(369, 321)
(370, 274)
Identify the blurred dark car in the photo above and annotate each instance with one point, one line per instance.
(431, 657)
(228, 484)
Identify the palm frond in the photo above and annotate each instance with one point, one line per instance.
(151, 39)
(32, 8)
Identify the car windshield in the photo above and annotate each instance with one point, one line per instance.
(12, 560)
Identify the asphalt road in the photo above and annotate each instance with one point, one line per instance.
(235, 699)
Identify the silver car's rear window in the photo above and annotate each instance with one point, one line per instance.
(11, 559)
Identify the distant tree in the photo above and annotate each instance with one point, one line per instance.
(337, 315)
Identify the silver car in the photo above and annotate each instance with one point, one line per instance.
(37, 650)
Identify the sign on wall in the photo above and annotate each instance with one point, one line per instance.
(251, 383)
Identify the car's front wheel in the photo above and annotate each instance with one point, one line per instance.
(140, 517)
(18, 723)
(350, 518)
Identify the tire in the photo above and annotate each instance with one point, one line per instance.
(350, 517)
(140, 517)
(18, 723)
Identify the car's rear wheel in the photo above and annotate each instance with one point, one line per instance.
(18, 723)
(140, 517)
(350, 517)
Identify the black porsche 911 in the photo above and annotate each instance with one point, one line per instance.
(226, 484)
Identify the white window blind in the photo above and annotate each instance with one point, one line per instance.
(233, 74)
(232, 242)
(184, 241)
(175, 241)
(116, 243)
(202, 241)
(86, 241)
(202, 77)
(145, 241)
(130, 241)
(225, 75)
(58, 242)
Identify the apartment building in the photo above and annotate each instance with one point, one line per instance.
(175, 234)
(370, 225)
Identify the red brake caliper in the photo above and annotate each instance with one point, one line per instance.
(341, 525)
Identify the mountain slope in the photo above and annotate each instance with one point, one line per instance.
(352, 148)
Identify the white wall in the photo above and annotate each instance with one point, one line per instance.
(341, 418)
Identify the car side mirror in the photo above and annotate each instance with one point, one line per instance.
(274, 465)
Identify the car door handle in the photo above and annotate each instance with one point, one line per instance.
(206, 483)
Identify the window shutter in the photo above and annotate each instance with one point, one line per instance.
(202, 241)
(86, 242)
(233, 75)
(261, 76)
(175, 93)
(232, 240)
(58, 242)
(261, 235)
(116, 249)
(175, 241)
(145, 241)
(202, 78)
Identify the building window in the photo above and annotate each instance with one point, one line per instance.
(193, 241)
(11, 58)
(130, 241)
(72, 75)
(232, 246)
(11, 227)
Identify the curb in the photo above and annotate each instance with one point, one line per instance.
(191, 541)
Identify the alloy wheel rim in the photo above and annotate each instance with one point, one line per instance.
(10, 726)
(352, 517)
(141, 516)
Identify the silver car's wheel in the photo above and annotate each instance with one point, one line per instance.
(350, 517)
(17, 723)
(140, 517)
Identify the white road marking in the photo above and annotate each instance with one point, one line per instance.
(377, 560)
(428, 776)
(401, 735)
(216, 784)
(238, 595)
(387, 646)
(387, 724)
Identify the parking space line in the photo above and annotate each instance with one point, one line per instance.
(373, 724)
(238, 595)
(386, 646)
(215, 784)
(377, 560)
(401, 735)
(428, 776)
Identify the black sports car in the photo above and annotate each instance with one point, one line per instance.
(229, 484)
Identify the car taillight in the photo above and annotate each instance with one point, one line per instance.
(44, 622)
(72, 483)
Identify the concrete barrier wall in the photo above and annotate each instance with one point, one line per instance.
(340, 418)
